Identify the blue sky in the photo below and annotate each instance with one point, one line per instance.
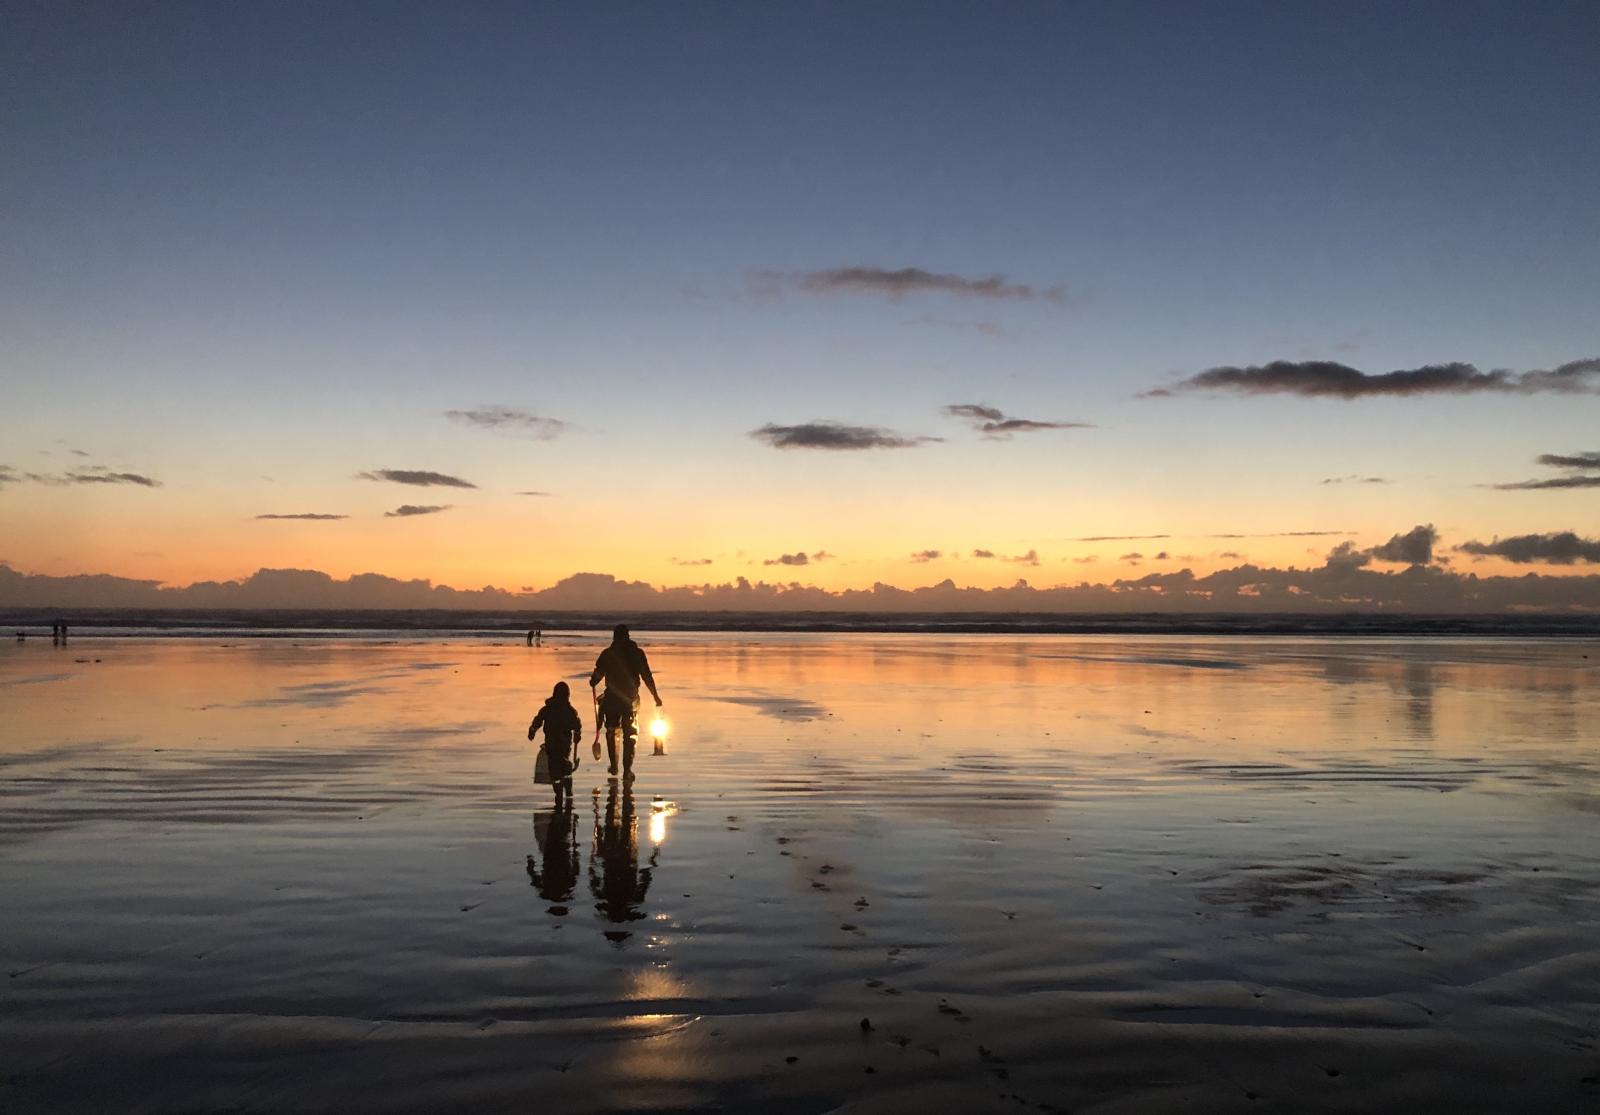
(245, 241)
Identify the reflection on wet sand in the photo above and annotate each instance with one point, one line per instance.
(555, 871)
(616, 881)
(1142, 874)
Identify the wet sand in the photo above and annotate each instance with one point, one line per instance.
(871, 873)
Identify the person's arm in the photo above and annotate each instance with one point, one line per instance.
(537, 720)
(599, 670)
(649, 679)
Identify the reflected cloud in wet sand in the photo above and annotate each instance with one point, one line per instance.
(1055, 851)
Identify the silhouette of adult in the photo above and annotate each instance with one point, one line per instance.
(623, 665)
(615, 878)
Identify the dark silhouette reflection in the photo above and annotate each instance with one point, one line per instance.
(1419, 685)
(555, 871)
(615, 878)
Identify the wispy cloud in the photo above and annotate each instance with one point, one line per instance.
(800, 558)
(103, 476)
(691, 561)
(1282, 534)
(1355, 480)
(418, 478)
(987, 328)
(311, 516)
(1582, 462)
(532, 493)
(510, 420)
(836, 435)
(897, 283)
(1585, 461)
(1029, 558)
(407, 510)
(1325, 378)
(921, 557)
(1136, 556)
(1553, 482)
(95, 474)
(992, 423)
(1559, 548)
(1119, 537)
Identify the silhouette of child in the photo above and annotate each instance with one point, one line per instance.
(562, 731)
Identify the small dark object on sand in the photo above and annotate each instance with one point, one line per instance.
(866, 1025)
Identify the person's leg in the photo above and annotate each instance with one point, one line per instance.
(612, 716)
(630, 736)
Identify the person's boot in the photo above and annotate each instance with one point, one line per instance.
(611, 752)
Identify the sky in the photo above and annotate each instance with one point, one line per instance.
(828, 294)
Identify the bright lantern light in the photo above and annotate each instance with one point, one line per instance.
(658, 728)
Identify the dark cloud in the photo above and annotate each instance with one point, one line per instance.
(992, 423)
(102, 476)
(822, 555)
(1029, 558)
(406, 510)
(1560, 548)
(1135, 556)
(1325, 378)
(419, 478)
(691, 561)
(835, 435)
(1586, 461)
(1355, 480)
(1346, 556)
(8, 475)
(924, 556)
(1415, 547)
(983, 553)
(1552, 482)
(1162, 556)
(532, 493)
(312, 516)
(897, 283)
(801, 558)
(510, 420)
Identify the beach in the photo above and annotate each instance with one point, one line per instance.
(870, 872)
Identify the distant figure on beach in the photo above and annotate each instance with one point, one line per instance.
(555, 872)
(623, 665)
(615, 880)
(562, 732)
(58, 632)
(535, 638)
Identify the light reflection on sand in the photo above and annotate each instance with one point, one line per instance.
(1148, 873)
